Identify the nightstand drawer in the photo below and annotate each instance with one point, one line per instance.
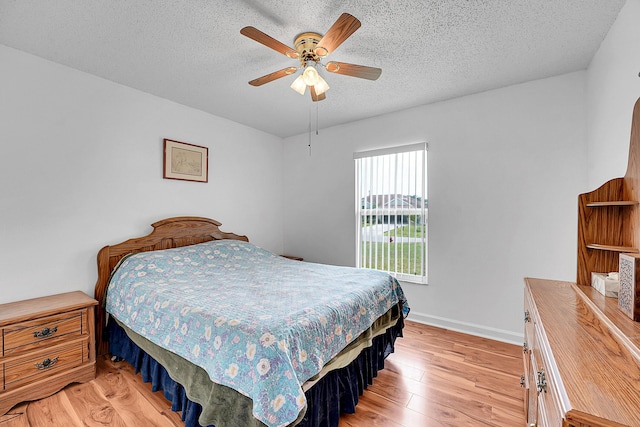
(27, 335)
(46, 343)
(44, 363)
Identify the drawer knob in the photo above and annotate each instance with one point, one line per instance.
(47, 363)
(45, 332)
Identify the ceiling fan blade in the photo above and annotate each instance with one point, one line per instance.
(338, 33)
(268, 41)
(353, 70)
(315, 97)
(273, 76)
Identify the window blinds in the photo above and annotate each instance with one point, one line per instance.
(391, 206)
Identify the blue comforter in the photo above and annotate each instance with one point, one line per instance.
(256, 322)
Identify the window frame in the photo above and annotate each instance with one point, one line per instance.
(361, 200)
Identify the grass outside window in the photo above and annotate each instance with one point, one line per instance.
(404, 258)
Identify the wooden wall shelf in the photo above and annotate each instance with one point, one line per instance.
(623, 249)
(612, 203)
(609, 216)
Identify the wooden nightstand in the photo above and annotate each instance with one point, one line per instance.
(45, 344)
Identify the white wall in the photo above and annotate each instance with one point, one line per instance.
(82, 168)
(82, 161)
(505, 169)
(613, 88)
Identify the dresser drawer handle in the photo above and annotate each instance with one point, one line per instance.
(47, 363)
(541, 383)
(46, 332)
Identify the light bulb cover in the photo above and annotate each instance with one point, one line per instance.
(321, 86)
(299, 85)
(310, 75)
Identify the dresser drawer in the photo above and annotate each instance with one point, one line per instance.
(44, 363)
(530, 322)
(27, 335)
(549, 407)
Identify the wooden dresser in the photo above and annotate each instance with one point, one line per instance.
(581, 358)
(45, 344)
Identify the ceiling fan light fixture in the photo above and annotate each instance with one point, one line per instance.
(310, 75)
(299, 85)
(321, 86)
(310, 49)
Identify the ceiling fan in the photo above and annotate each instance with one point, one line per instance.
(310, 49)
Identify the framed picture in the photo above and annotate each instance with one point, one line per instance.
(185, 161)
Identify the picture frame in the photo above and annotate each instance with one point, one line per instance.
(187, 162)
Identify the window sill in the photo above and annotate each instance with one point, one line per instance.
(412, 279)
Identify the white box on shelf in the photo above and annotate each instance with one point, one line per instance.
(607, 284)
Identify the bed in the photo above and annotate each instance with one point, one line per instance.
(235, 335)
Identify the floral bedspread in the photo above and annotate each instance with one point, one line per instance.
(256, 322)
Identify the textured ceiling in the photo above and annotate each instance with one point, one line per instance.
(192, 52)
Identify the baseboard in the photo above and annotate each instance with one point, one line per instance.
(468, 328)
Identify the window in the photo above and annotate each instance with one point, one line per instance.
(391, 207)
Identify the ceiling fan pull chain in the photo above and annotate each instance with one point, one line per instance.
(309, 133)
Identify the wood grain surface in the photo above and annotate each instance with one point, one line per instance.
(47, 343)
(592, 366)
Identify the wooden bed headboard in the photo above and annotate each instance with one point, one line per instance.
(167, 233)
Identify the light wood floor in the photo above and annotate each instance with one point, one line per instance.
(436, 377)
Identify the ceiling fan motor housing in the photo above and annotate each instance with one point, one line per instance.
(306, 44)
